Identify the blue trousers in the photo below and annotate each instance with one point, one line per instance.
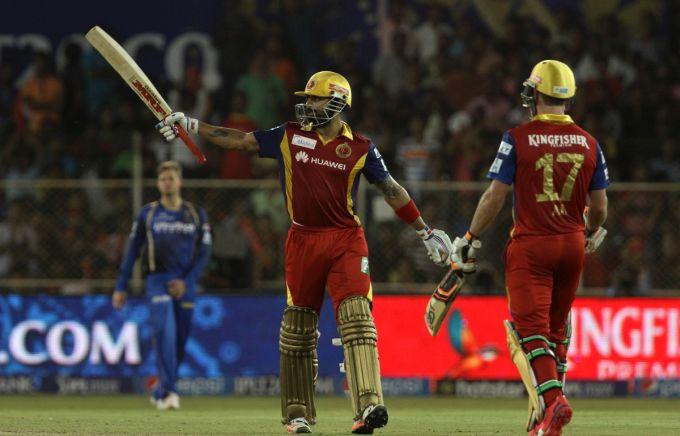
(171, 324)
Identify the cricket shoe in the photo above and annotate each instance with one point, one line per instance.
(556, 416)
(374, 416)
(298, 425)
(170, 402)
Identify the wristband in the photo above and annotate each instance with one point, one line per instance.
(408, 213)
(192, 125)
(424, 233)
(470, 236)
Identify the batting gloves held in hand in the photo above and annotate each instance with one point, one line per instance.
(595, 237)
(168, 127)
(464, 256)
(438, 245)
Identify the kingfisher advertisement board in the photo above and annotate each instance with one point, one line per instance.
(80, 344)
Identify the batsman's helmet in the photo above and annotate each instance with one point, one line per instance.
(325, 84)
(549, 77)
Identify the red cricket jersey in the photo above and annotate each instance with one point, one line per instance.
(320, 180)
(553, 165)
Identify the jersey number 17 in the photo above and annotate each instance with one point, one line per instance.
(546, 164)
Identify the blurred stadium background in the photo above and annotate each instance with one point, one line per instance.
(435, 84)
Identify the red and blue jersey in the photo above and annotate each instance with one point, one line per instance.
(320, 178)
(553, 165)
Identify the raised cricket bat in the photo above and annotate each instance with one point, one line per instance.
(442, 299)
(128, 69)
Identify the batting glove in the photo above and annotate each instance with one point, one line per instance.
(168, 126)
(438, 245)
(595, 237)
(464, 254)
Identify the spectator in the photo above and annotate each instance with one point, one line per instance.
(42, 95)
(265, 93)
(74, 79)
(232, 254)
(24, 169)
(429, 33)
(236, 165)
(389, 69)
(415, 152)
(18, 242)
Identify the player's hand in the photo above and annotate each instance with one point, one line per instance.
(438, 245)
(595, 237)
(176, 288)
(168, 127)
(464, 253)
(118, 299)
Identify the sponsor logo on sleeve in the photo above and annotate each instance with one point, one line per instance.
(505, 148)
(496, 166)
(303, 141)
(364, 265)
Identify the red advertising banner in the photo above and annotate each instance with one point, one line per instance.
(613, 339)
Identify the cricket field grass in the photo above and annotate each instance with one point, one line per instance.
(72, 415)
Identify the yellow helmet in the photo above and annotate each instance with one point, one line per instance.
(550, 77)
(328, 84)
(325, 84)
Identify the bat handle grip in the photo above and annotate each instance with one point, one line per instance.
(190, 144)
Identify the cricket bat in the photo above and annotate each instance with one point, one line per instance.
(128, 69)
(442, 299)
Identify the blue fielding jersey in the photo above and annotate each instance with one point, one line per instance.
(176, 243)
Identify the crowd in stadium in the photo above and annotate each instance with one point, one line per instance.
(436, 97)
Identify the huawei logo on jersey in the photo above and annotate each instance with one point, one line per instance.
(301, 156)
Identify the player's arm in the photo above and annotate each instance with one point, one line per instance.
(597, 210)
(397, 197)
(489, 206)
(229, 139)
(134, 247)
(596, 213)
(203, 249)
(436, 241)
(502, 175)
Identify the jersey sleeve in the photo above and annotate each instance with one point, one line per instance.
(135, 243)
(600, 178)
(270, 141)
(503, 166)
(375, 169)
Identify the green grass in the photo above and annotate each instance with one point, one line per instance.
(44, 414)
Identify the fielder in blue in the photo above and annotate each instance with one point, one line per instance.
(174, 239)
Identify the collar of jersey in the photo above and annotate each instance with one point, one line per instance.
(553, 118)
(346, 132)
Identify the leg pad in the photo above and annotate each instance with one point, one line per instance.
(359, 341)
(297, 345)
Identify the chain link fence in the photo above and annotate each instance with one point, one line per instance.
(68, 236)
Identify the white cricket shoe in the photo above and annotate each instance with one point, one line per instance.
(170, 402)
(298, 425)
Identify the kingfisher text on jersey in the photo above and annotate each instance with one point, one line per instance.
(553, 165)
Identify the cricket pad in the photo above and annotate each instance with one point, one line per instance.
(360, 345)
(297, 345)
